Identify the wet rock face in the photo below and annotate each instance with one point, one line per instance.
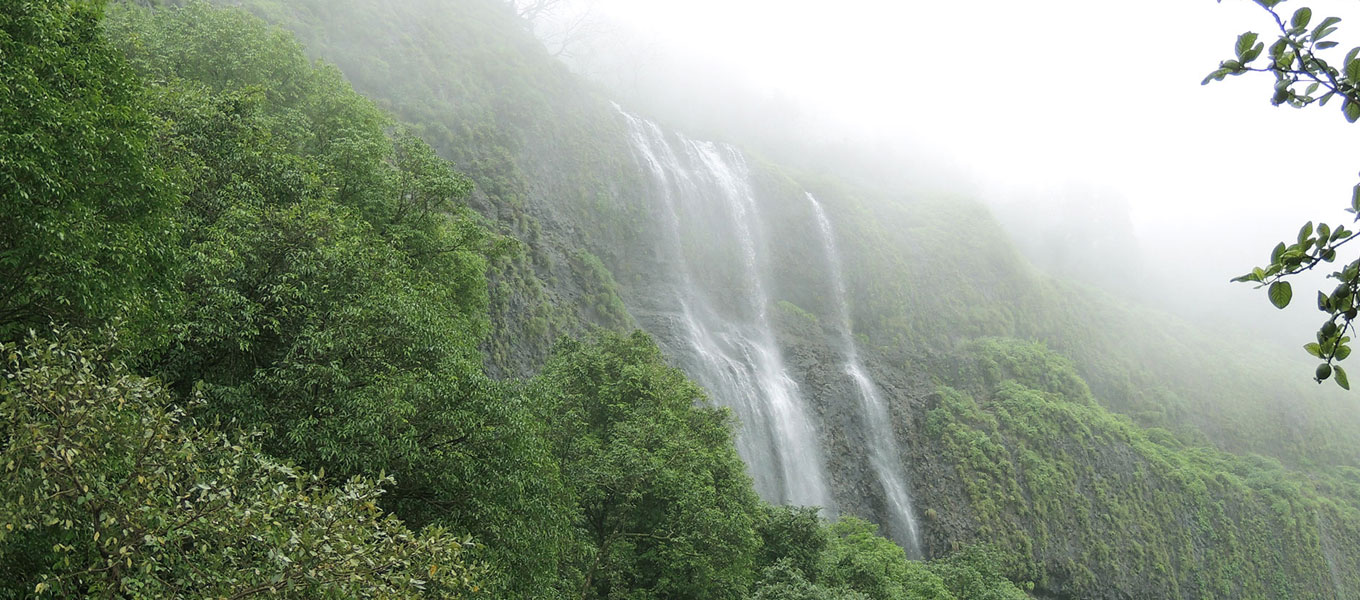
(815, 366)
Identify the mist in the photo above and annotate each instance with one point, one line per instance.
(1083, 126)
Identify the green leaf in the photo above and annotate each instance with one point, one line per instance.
(1301, 18)
(1324, 303)
(1321, 31)
(1341, 379)
(1352, 68)
(1352, 110)
(1279, 248)
(1254, 52)
(1281, 293)
(1305, 231)
(1281, 96)
(1326, 45)
(1244, 44)
(1217, 75)
(1342, 352)
(1277, 49)
(1285, 61)
(1313, 349)
(1292, 257)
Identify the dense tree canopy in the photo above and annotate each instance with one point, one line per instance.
(664, 505)
(108, 490)
(85, 229)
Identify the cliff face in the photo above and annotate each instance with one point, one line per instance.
(1095, 451)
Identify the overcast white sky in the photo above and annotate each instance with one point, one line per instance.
(1029, 96)
(1033, 92)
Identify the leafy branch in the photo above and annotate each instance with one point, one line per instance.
(1303, 78)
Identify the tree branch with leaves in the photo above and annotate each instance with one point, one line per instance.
(1304, 77)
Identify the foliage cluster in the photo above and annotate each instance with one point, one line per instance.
(807, 559)
(85, 199)
(110, 493)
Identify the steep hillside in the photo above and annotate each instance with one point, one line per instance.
(550, 159)
(554, 161)
(1040, 465)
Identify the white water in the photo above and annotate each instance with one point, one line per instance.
(884, 457)
(708, 204)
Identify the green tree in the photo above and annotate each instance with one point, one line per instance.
(784, 581)
(107, 490)
(1307, 73)
(664, 505)
(796, 535)
(84, 230)
(977, 573)
(859, 559)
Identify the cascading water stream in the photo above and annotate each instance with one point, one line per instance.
(884, 457)
(707, 201)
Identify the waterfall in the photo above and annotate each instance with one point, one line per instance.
(716, 250)
(884, 457)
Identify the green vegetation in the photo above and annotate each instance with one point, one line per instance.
(544, 151)
(664, 506)
(86, 201)
(334, 287)
(258, 336)
(804, 559)
(1050, 473)
(109, 493)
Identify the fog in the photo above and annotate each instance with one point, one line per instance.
(1034, 108)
